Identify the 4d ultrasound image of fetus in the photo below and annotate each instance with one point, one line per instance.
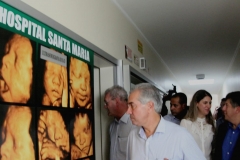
(54, 83)
(53, 137)
(82, 142)
(16, 70)
(80, 84)
(16, 141)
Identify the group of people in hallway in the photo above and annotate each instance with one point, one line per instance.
(139, 132)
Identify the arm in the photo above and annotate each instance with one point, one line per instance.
(190, 148)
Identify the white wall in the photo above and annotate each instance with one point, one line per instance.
(232, 82)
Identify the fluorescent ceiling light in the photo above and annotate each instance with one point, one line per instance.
(201, 81)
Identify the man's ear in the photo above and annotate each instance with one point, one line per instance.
(150, 105)
(184, 106)
(238, 109)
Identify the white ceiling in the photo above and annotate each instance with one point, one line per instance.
(192, 37)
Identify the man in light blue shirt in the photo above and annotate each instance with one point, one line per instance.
(116, 104)
(178, 107)
(157, 139)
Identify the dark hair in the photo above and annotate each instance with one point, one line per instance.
(193, 111)
(234, 97)
(223, 99)
(182, 97)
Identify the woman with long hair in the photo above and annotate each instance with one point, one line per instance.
(199, 121)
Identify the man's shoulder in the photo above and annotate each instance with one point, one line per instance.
(134, 130)
(168, 115)
(174, 128)
(186, 120)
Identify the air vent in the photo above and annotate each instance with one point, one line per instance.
(142, 63)
(200, 76)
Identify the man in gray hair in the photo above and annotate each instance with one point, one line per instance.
(115, 102)
(157, 138)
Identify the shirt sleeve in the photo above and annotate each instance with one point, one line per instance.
(183, 123)
(191, 151)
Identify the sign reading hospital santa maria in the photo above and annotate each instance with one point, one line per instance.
(18, 22)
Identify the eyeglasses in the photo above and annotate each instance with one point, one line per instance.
(107, 102)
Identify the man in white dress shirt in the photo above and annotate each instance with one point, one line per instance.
(178, 107)
(116, 104)
(156, 139)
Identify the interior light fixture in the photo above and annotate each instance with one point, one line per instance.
(201, 81)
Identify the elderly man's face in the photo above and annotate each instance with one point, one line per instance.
(138, 111)
(56, 130)
(82, 132)
(80, 82)
(17, 143)
(53, 82)
(16, 70)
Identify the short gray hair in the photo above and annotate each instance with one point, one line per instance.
(148, 92)
(117, 91)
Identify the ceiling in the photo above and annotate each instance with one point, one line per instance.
(192, 37)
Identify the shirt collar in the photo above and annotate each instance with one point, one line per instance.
(230, 125)
(161, 125)
(172, 116)
(123, 119)
(160, 128)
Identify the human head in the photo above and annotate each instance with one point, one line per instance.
(80, 83)
(143, 102)
(223, 100)
(197, 99)
(116, 95)
(148, 92)
(82, 133)
(53, 80)
(17, 142)
(219, 110)
(178, 103)
(16, 70)
(56, 129)
(231, 108)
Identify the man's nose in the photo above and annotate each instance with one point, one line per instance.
(129, 111)
(224, 107)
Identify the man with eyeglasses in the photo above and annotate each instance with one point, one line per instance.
(115, 102)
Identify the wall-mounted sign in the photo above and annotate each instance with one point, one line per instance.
(46, 103)
(128, 53)
(140, 47)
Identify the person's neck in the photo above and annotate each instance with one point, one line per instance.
(236, 123)
(151, 124)
(182, 114)
(121, 111)
(119, 116)
(201, 116)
